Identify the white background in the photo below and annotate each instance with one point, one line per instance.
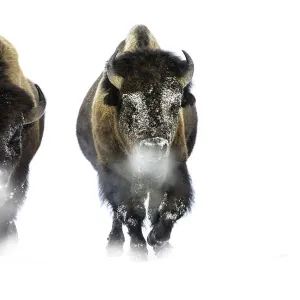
(242, 240)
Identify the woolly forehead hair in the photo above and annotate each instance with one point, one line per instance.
(148, 61)
(14, 101)
(2, 68)
(14, 97)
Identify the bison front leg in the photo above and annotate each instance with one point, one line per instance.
(168, 205)
(128, 207)
(8, 233)
(8, 229)
(116, 237)
(132, 213)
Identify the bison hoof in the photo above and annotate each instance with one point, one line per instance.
(8, 237)
(163, 250)
(138, 255)
(154, 239)
(114, 249)
(115, 244)
(138, 251)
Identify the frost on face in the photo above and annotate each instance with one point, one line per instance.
(152, 112)
(10, 149)
(170, 105)
(147, 118)
(7, 133)
(134, 116)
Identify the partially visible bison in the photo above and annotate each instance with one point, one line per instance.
(137, 126)
(22, 106)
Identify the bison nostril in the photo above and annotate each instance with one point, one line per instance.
(142, 133)
(164, 148)
(154, 147)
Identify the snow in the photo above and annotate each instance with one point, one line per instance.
(241, 240)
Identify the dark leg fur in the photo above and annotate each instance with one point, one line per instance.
(116, 237)
(132, 215)
(168, 205)
(8, 230)
(128, 207)
(8, 212)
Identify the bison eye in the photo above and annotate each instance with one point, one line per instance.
(131, 106)
(175, 107)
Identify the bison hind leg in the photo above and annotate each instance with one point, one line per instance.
(8, 236)
(116, 237)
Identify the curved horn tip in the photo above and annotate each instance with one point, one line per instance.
(36, 113)
(114, 78)
(187, 57)
(113, 57)
(187, 77)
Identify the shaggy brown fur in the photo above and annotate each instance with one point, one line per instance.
(22, 106)
(101, 141)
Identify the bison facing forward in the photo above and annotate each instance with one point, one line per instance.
(137, 126)
(22, 106)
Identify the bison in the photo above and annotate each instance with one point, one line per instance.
(22, 107)
(137, 126)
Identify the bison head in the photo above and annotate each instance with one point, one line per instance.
(16, 111)
(148, 88)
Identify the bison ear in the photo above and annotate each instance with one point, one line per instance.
(36, 112)
(188, 98)
(112, 98)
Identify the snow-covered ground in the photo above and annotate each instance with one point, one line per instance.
(242, 240)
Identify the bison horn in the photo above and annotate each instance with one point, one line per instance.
(36, 112)
(188, 75)
(113, 77)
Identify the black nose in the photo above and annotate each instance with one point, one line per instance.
(154, 147)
